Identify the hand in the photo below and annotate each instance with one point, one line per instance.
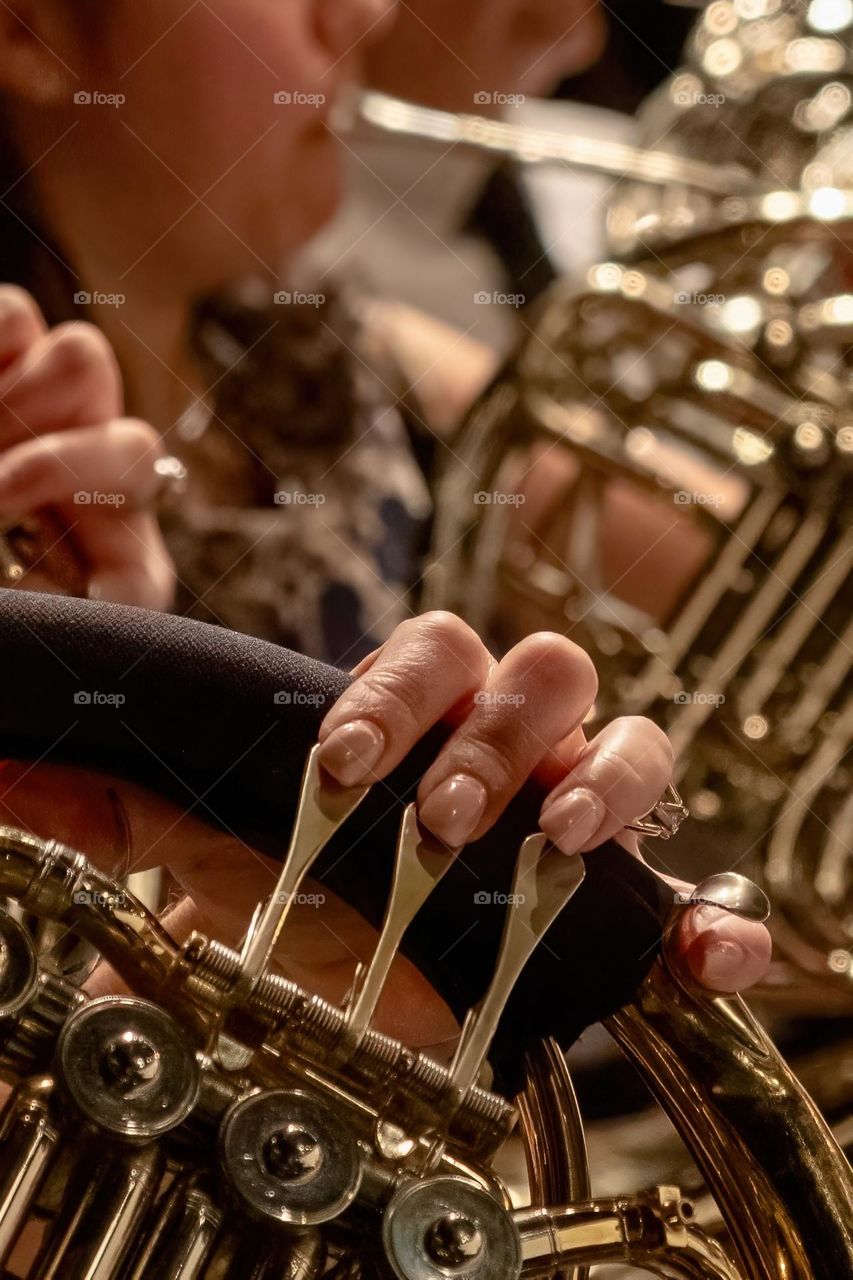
(64, 444)
(514, 719)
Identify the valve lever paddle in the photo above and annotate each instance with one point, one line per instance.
(420, 863)
(323, 808)
(545, 879)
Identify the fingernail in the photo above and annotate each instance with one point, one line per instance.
(454, 809)
(351, 751)
(572, 819)
(723, 966)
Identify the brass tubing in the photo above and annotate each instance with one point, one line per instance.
(618, 1230)
(527, 144)
(554, 1141)
(302, 1257)
(29, 1142)
(106, 1199)
(52, 880)
(184, 1236)
(783, 1186)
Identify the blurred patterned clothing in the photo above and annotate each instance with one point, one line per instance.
(306, 511)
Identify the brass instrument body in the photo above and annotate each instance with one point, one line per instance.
(198, 1145)
(161, 1198)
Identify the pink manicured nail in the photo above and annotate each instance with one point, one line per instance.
(453, 811)
(352, 750)
(572, 819)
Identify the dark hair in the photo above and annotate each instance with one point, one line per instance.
(27, 256)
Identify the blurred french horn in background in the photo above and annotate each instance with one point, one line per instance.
(689, 405)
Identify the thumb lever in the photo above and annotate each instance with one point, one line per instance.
(323, 808)
(419, 865)
(543, 884)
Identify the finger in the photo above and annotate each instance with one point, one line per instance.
(68, 378)
(21, 324)
(127, 557)
(111, 464)
(543, 688)
(367, 661)
(722, 951)
(454, 717)
(561, 759)
(428, 665)
(618, 777)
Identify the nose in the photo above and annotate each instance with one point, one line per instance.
(349, 26)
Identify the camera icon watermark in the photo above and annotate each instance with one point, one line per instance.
(497, 498)
(485, 98)
(298, 498)
(300, 899)
(95, 98)
(697, 98)
(95, 498)
(93, 898)
(85, 299)
(497, 699)
(296, 98)
(299, 698)
(494, 298)
(483, 898)
(700, 698)
(684, 498)
(295, 298)
(685, 298)
(94, 698)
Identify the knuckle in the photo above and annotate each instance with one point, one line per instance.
(80, 351)
(393, 694)
(19, 314)
(490, 759)
(656, 746)
(640, 752)
(24, 465)
(449, 631)
(560, 660)
(133, 440)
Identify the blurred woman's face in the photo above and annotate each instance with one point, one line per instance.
(471, 55)
(202, 127)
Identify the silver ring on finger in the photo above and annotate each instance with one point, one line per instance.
(172, 475)
(664, 818)
(171, 480)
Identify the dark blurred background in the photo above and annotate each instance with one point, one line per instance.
(646, 39)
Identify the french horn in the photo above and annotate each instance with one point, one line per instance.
(220, 1121)
(693, 392)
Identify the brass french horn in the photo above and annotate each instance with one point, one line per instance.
(220, 1121)
(688, 403)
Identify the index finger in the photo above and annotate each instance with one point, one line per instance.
(21, 324)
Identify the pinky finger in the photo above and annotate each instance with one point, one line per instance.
(128, 559)
(722, 951)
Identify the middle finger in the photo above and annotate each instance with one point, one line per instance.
(540, 692)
